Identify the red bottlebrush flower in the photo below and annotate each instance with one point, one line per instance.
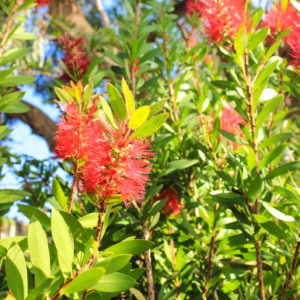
(207, 58)
(73, 133)
(223, 18)
(192, 42)
(135, 66)
(120, 170)
(173, 202)
(295, 53)
(194, 6)
(42, 2)
(75, 58)
(279, 20)
(230, 122)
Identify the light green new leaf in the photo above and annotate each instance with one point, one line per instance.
(136, 273)
(113, 264)
(150, 126)
(38, 250)
(10, 99)
(133, 247)
(12, 55)
(156, 107)
(231, 137)
(115, 282)
(270, 156)
(4, 131)
(128, 98)
(17, 80)
(24, 36)
(283, 169)
(59, 194)
(139, 117)
(30, 211)
(117, 103)
(258, 37)
(271, 227)
(276, 213)
(16, 108)
(16, 272)
(40, 292)
(88, 92)
(178, 165)
(108, 113)
(63, 96)
(287, 194)
(7, 196)
(272, 49)
(275, 139)
(138, 295)
(87, 251)
(84, 281)
(63, 241)
(20, 240)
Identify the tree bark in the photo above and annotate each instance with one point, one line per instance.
(39, 122)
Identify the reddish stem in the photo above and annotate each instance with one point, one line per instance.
(73, 188)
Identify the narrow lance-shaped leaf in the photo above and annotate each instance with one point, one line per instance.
(150, 126)
(38, 250)
(128, 97)
(16, 272)
(139, 117)
(108, 113)
(63, 96)
(63, 241)
(86, 98)
(117, 103)
(59, 194)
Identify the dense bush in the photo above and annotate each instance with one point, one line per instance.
(184, 179)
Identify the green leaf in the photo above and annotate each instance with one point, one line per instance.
(283, 169)
(178, 165)
(222, 84)
(115, 282)
(138, 295)
(79, 235)
(66, 70)
(88, 92)
(267, 71)
(139, 117)
(39, 293)
(115, 58)
(10, 99)
(258, 37)
(271, 227)
(242, 264)
(137, 273)
(25, 5)
(24, 36)
(150, 126)
(133, 247)
(9, 195)
(226, 177)
(270, 156)
(59, 195)
(108, 113)
(156, 207)
(87, 254)
(291, 75)
(38, 250)
(12, 55)
(16, 272)
(63, 241)
(293, 89)
(128, 98)
(17, 80)
(84, 281)
(272, 49)
(188, 226)
(89, 220)
(156, 107)
(63, 96)
(287, 194)
(149, 55)
(113, 264)
(4, 131)
(96, 79)
(20, 240)
(232, 137)
(276, 213)
(16, 108)
(228, 198)
(251, 159)
(275, 139)
(30, 211)
(117, 103)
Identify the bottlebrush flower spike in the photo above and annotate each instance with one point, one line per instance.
(42, 2)
(230, 122)
(295, 53)
(222, 18)
(75, 59)
(112, 152)
(279, 19)
(173, 202)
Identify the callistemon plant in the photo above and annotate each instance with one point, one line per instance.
(108, 146)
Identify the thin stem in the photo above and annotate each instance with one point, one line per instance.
(210, 262)
(73, 188)
(147, 254)
(6, 33)
(99, 227)
(291, 273)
